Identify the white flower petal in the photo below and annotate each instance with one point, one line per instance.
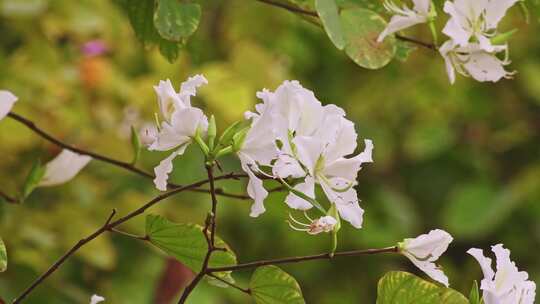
(346, 201)
(348, 168)
(189, 87)
(287, 166)
(422, 6)
(495, 11)
(309, 150)
(485, 262)
(7, 100)
(398, 23)
(63, 168)
(484, 66)
(165, 167)
(96, 299)
(429, 246)
(168, 99)
(430, 268)
(308, 188)
(256, 191)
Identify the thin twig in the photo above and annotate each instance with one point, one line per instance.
(291, 8)
(298, 10)
(134, 236)
(244, 290)
(8, 198)
(109, 224)
(322, 256)
(210, 223)
(125, 165)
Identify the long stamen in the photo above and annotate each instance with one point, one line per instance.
(297, 222)
(307, 217)
(296, 228)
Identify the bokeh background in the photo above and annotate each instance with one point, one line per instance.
(465, 158)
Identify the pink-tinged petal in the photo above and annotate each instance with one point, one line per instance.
(7, 100)
(308, 188)
(63, 168)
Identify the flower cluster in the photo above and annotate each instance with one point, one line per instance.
(475, 41)
(291, 135)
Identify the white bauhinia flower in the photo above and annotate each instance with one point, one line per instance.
(181, 123)
(473, 61)
(258, 148)
(327, 165)
(425, 250)
(475, 21)
(507, 285)
(405, 17)
(63, 168)
(96, 299)
(7, 100)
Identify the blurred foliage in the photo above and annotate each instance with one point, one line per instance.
(464, 158)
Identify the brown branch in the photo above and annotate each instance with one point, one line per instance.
(210, 223)
(125, 165)
(244, 290)
(290, 7)
(109, 225)
(322, 256)
(298, 10)
(8, 198)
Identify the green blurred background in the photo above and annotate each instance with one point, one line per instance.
(464, 158)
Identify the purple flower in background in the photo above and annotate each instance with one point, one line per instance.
(94, 48)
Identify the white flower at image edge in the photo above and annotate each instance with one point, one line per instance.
(181, 123)
(96, 299)
(507, 285)
(476, 19)
(473, 61)
(7, 100)
(63, 168)
(405, 17)
(425, 250)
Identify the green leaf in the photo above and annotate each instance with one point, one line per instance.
(398, 287)
(474, 296)
(33, 178)
(135, 145)
(403, 50)
(329, 14)
(3, 256)
(141, 18)
(271, 285)
(175, 20)
(186, 242)
(361, 28)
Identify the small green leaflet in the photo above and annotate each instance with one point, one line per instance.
(398, 287)
(271, 285)
(135, 145)
(329, 13)
(33, 179)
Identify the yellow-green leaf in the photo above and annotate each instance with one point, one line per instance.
(271, 285)
(361, 28)
(328, 12)
(186, 242)
(398, 287)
